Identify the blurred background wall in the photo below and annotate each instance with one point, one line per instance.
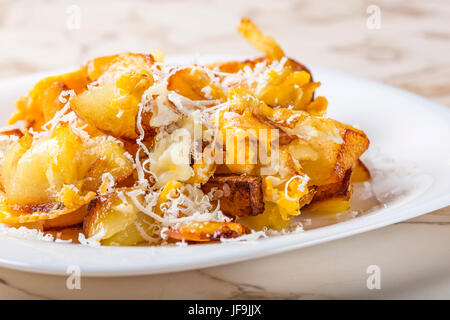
(407, 45)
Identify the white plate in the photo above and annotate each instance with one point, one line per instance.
(409, 157)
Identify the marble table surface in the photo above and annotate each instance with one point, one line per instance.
(408, 50)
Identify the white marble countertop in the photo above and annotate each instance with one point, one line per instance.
(410, 50)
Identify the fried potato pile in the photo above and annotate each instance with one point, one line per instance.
(129, 150)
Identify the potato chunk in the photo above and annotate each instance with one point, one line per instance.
(37, 171)
(42, 102)
(360, 172)
(326, 161)
(119, 222)
(238, 195)
(333, 197)
(260, 41)
(62, 214)
(195, 85)
(112, 104)
(207, 231)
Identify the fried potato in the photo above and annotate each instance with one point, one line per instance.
(134, 62)
(360, 172)
(292, 86)
(207, 231)
(11, 133)
(113, 105)
(119, 222)
(326, 161)
(33, 172)
(18, 215)
(236, 66)
(242, 133)
(67, 220)
(333, 197)
(335, 204)
(42, 102)
(195, 84)
(238, 195)
(107, 156)
(331, 190)
(36, 172)
(260, 41)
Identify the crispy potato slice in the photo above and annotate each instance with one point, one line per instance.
(108, 156)
(21, 215)
(71, 219)
(112, 106)
(331, 190)
(360, 172)
(355, 144)
(135, 62)
(195, 84)
(11, 132)
(119, 222)
(110, 214)
(326, 161)
(207, 231)
(42, 102)
(236, 66)
(260, 41)
(35, 172)
(335, 204)
(292, 86)
(238, 195)
(333, 197)
(325, 148)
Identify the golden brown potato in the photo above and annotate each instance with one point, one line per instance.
(238, 195)
(193, 84)
(134, 62)
(326, 161)
(333, 197)
(36, 172)
(330, 190)
(207, 231)
(112, 105)
(11, 132)
(107, 156)
(360, 172)
(118, 222)
(260, 41)
(67, 220)
(292, 86)
(236, 66)
(42, 102)
(19, 215)
(335, 204)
